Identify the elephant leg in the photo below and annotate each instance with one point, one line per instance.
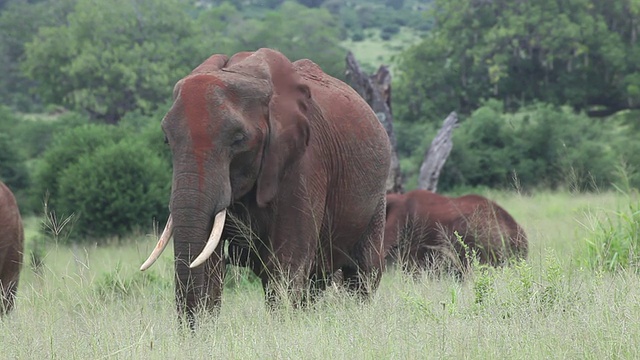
(215, 270)
(8, 289)
(285, 280)
(369, 256)
(319, 283)
(288, 261)
(10, 265)
(208, 295)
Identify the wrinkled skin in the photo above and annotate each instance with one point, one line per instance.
(299, 161)
(11, 248)
(420, 228)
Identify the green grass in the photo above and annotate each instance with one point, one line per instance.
(372, 51)
(93, 303)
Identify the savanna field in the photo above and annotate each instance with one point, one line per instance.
(566, 301)
(548, 99)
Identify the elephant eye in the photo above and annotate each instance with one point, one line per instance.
(238, 139)
(166, 140)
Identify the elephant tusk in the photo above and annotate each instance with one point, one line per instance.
(214, 239)
(160, 246)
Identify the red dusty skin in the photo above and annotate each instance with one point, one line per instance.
(194, 94)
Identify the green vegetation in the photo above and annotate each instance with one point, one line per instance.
(613, 243)
(578, 53)
(108, 177)
(109, 58)
(531, 83)
(91, 302)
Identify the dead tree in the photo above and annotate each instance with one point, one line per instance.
(437, 154)
(376, 91)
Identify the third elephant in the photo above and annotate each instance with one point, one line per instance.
(421, 226)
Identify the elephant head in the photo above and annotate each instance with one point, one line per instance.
(234, 127)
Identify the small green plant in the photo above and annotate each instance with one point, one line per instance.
(483, 284)
(115, 189)
(613, 243)
(522, 283)
(553, 276)
(116, 285)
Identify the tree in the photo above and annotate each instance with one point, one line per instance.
(13, 170)
(299, 33)
(311, 3)
(19, 23)
(112, 57)
(376, 91)
(576, 52)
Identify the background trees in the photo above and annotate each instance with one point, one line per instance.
(565, 52)
(112, 57)
(547, 91)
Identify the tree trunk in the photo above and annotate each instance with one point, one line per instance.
(437, 155)
(376, 91)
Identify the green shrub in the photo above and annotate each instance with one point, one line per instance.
(66, 149)
(115, 285)
(36, 132)
(357, 36)
(116, 189)
(540, 145)
(13, 171)
(388, 30)
(613, 243)
(149, 131)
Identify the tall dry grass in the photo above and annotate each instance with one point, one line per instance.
(93, 303)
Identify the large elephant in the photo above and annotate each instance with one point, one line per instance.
(11, 248)
(421, 225)
(284, 162)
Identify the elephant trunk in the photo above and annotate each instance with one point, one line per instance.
(198, 279)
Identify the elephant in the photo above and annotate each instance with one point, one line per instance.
(421, 225)
(283, 162)
(11, 248)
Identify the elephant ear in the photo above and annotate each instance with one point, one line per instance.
(289, 128)
(213, 63)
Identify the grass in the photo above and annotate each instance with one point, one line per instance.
(372, 51)
(94, 303)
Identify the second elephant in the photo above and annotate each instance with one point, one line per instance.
(421, 226)
(11, 248)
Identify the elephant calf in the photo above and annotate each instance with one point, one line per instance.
(421, 225)
(11, 247)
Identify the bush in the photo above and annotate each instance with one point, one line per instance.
(388, 30)
(66, 149)
(13, 171)
(36, 132)
(541, 145)
(116, 189)
(357, 36)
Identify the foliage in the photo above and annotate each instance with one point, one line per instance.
(65, 151)
(579, 53)
(35, 133)
(13, 171)
(19, 23)
(298, 32)
(114, 285)
(113, 57)
(613, 243)
(541, 145)
(116, 189)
